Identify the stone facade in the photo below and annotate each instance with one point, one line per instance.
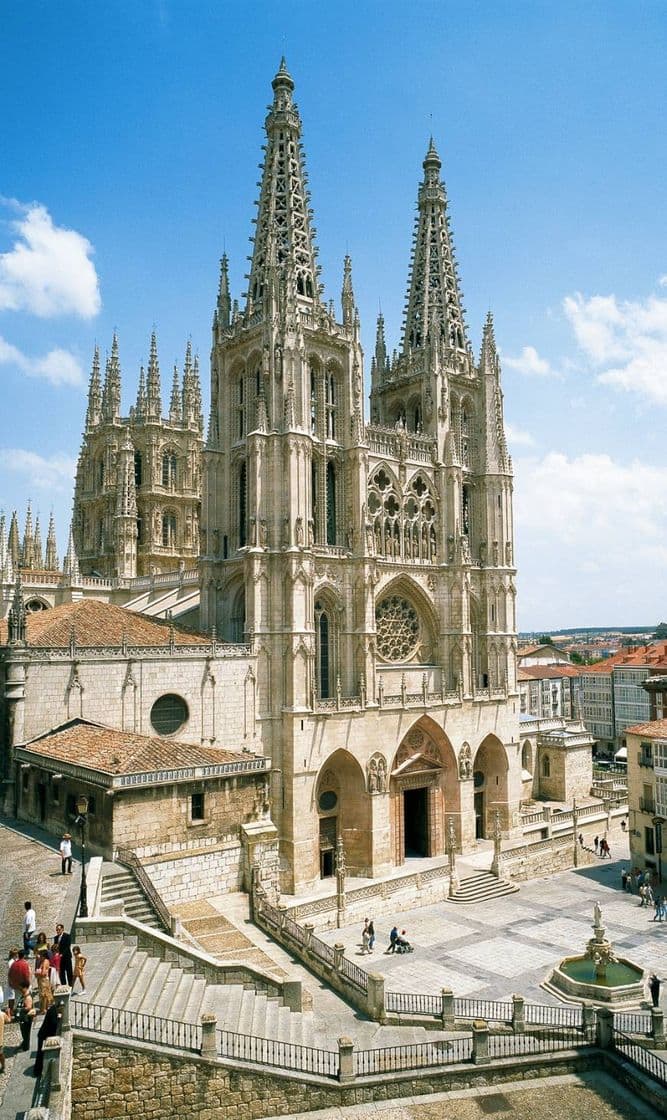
(647, 792)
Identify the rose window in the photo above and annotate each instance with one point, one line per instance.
(397, 627)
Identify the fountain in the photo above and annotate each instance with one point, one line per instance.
(598, 975)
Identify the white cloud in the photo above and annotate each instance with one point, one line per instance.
(517, 437)
(624, 341)
(591, 539)
(48, 271)
(60, 367)
(530, 364)
(662, 280)
(53, 473)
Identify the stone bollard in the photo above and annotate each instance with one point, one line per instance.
(209, 1022)
(518, 1014)
(547, 821)
(480, 1042)
(176, 927)
(345, 1059)
(604, 1027)
(588, 1019)
(376, 996)
(657, 1028)
(61, 998)
(308, 929)
(448, 1020)
(52, 1053)
(293, 995)
(339, 951)
(282, 911)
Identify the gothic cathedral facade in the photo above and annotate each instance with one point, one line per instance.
(371, 565)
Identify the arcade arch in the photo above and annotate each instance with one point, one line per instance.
(424, 789)
(344, 810)
(490, 770)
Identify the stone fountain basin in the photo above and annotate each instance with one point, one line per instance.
(574, 979)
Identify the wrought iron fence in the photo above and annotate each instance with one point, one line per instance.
(541, 1014)
(633, 1022)
(131, 860)
(282, 1055)
(640, 1056)
(413, 1003)
(421, 1055)
(490, 1010)
(543, 1042)
(354, 974)
(136, 1025)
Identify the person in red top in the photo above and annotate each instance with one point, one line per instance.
(19, 974)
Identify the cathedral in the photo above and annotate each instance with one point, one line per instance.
(356, 579)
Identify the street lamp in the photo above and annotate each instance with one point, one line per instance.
(657, 825)
(81, 820)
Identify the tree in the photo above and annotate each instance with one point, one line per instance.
(661, 630)
(545, 640)
(577, 658)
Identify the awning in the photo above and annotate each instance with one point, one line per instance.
(622, 754)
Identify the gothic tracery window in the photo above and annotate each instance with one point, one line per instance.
(169, 530)
(404, 525)
(169, 469)
(398, 629)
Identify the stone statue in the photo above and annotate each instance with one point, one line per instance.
(597, 916)
(465, 763)
(373, 776)
(263, 533)
(382, 775)
(299, 531)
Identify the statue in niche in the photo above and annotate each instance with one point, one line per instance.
(450, 548)
(373, 776)
(299, 531)
(253, 530)
(496, 553)
(465, 763)
(382, 775)
(483, 548)
(434, 550)
(216, 541)
(508, 553)
(263, 533)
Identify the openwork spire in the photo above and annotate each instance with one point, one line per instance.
(126, 494)
(154, 390)
(224, 299)
(16, 620)
(28, 550)
(94, 392)
(111, 392)
(347, 295)
(284, 239)
(175, 402)
(37, 554)
(71, 564)
(434, 300)
(13, 542)
(141, 395)
(51, 560)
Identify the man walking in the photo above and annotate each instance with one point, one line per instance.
(66, 854)
(29, 927)
(654, 989)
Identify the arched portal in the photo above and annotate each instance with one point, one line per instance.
(490, 781)
(343, 810)
(424, 790)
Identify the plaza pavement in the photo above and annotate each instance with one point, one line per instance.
(493, 949)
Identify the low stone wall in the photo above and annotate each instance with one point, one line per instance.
(385, 896)
(194, 875)
(116, 1079)
(532, 861)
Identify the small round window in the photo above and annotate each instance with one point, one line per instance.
(168, 714)
(328, 801)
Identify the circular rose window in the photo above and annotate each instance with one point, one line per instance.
(397, 626)
(168, 714)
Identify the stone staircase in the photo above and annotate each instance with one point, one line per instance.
(119, 885)
(119, 975)
(481, 887)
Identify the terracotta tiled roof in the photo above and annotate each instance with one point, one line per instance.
(99, 624)
(657, 729)
(546, 672)
(120, 752)
(653, 656)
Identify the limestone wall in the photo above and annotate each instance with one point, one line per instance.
(197, 875)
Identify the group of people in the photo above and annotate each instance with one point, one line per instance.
(398, 942)
(56, 961)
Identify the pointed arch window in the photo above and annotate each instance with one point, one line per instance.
(240, 408)
(331, 405)
(169, 470)
(323, 632)
(237, 617)
(169, 530)
(138, 469)
(243, 505)
(331, 503)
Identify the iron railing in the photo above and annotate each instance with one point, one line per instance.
(415, 1003)
(420, 1055)
(541, 1014)
(640, 1056)
(633, 1022)
(131, 860)
(492, 1011)
(543, 1042)
(273, 1052)
(137, 1025)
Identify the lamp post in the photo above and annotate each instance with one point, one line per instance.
(81, 820)
(657, 826)
(575, 838)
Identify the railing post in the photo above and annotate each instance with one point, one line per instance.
(282, 914)
(518, 1014)
(657, 1028)
(52, 1054)
(339, 951)
(480, 1041)
(588, 1019)
(448, 1021)
(176, 928)
(293, 995)
(604, 1027)
(345, 1059)
(308, 929)
(547, 821)
(376, 996)
(61, 997)
(209, 1022)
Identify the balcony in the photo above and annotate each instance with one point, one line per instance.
(647, 805)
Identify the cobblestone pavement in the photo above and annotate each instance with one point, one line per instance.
(584, 1097)
(509, 944)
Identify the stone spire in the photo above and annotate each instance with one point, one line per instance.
(125, 520)
(94, 408)
(38, 554)
(154, 390)
(347, 295)
(189, 394)
(224, 299)
(494, 450)
(196, 385)
(175, 402)
(71, 565)
(13, 542)
(6, 567)
(140, 411)
(51, 559)
(112, 384)
(17, 616)
(284, 238)
(433, 289)
(28, 550)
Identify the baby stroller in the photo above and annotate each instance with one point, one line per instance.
(403, 945)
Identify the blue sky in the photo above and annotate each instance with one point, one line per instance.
(130, 142)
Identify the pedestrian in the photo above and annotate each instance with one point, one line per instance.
(581, 839)
(393, 938)
(49, 1028)
(80, 963)
(25, 1013)
(65, 947)
(29, 927)
(5, 1017)
(654, 989)
(607, 850)
(624, 824)
(624, 879)
(595, 844)
(42, 974)
(371, 935)
(642, 895)
(8, 987)
(19, 974)
(66, 854)
(54, 974)
(365, 939)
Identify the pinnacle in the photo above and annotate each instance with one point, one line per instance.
(432, 158)
(283, 77)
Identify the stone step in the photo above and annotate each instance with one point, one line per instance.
(101, 988)
(245, 1012)
(224, 1001)
(258, 1021)
(181, 994)
(481, 888)
(142, 982)
(163, 1000)
(156, 1001)
(128, 979)
(192, 1013)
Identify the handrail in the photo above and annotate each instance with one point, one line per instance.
(131, 859)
